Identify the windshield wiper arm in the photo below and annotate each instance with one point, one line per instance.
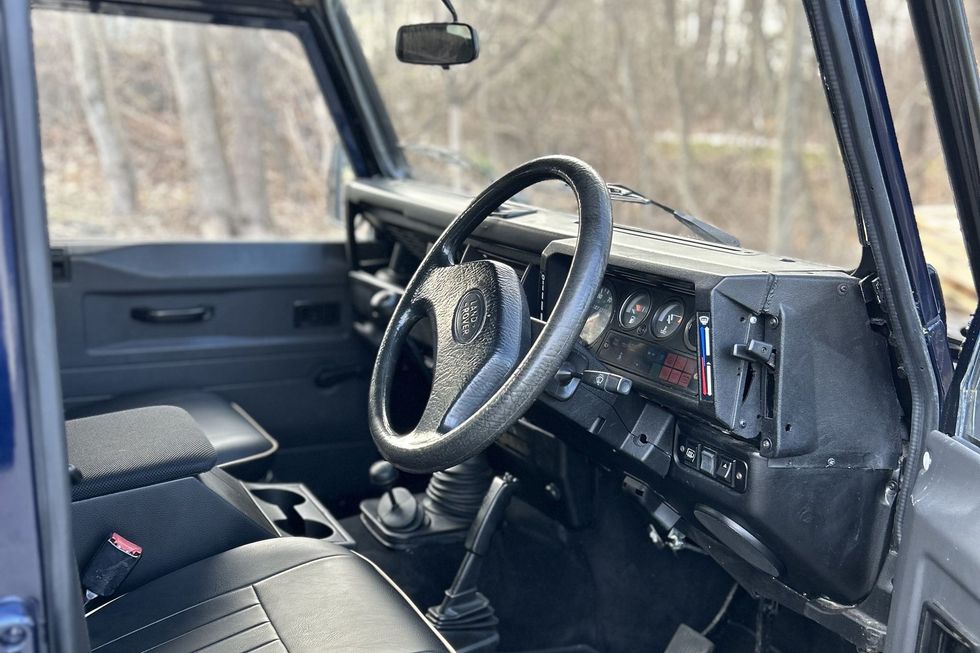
(706, 230)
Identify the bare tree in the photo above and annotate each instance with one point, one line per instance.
(786, 172)
(98, 104)
(682, 108)
(248, 114)
(214, 189)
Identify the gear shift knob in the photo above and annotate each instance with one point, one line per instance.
(383, 475)
(398, 509)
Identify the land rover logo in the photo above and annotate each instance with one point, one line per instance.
(470, 315)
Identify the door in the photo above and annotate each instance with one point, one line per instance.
(194, 241)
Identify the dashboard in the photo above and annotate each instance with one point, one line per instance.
(763, 420)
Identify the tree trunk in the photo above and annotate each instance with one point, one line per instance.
(682, 109)
(454, 130)
(214, 190)
(786, 174)
(100, 112)
(630, 99)
(247, 114)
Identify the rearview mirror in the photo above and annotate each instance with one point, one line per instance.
(437, 44)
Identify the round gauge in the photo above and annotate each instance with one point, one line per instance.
(635, 310)
(598, 320)
(691, 335)
(668, 319)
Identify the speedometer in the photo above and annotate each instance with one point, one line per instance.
(598, 320)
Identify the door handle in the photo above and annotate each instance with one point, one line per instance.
(172, 315)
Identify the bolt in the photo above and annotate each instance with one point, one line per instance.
(753, 320)
(767, 444)
(842, 289)
(893, 486)
(773, 322)
(13, 636)
(831, 462)
(553, 491)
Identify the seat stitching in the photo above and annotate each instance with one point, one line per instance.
(253, 584)
(187, 632)
(244, 630)
(255, 591)
(264, 644)
(212, 598)
(174, 614)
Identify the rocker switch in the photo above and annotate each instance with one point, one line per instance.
(725, 470)
(707, 463)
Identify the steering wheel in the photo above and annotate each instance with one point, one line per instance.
(486, 373)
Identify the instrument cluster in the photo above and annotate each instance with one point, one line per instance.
(645, 330)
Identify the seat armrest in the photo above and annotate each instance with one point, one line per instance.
(135, 448)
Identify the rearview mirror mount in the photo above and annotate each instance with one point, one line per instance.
(437, 44)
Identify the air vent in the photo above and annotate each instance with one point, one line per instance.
(939, 633)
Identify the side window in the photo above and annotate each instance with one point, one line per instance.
(922, 154)
(159, 130)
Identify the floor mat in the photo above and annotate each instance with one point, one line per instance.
(604, 588)
(607, 587)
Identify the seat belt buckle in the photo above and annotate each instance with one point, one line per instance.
(110, 566)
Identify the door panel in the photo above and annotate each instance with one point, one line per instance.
(936, 603)
(266, 325)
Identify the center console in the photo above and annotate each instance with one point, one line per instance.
(149, 474)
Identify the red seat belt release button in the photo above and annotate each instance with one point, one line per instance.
(110, 565)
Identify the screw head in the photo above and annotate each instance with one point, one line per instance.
(773, 321)
(741, 423)
(767, 444)
(842, 289)
(553, 491)
(13, 636)
(831, 462)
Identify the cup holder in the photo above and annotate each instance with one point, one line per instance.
(279, 497)
(294, 511)
(304, 528)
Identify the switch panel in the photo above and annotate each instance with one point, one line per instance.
(715, 464)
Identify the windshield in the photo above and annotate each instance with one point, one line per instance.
(715, 108)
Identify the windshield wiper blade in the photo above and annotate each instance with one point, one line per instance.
(706, 230)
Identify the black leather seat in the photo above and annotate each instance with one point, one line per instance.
(287, 594)
(236, 437)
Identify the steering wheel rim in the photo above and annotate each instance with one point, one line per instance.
(487, 374)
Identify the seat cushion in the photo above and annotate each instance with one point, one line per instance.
(236, 437)
(286, 594)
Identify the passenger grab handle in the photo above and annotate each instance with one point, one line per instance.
(172, 315)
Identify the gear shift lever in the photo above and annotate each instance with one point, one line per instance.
(465, 617)
(398, 508)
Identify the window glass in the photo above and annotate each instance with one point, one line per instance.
(922, 154)
(715, 107)
(161, 130)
